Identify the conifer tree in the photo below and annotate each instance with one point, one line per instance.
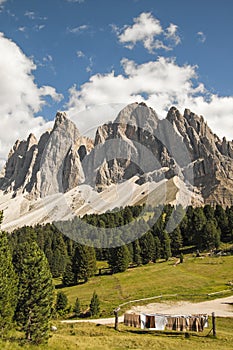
(176, 241)
(137, 253)
(68, 276)
(166, 246)
(211, 236)
(59, 258)
(77, 309)
(94, 305)
(147, 247)
(84, 263)
(61, 302)
(35, 298)
(119, 259)
(222, 221)
(8, 285)
(157, 248)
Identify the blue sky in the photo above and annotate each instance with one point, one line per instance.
(91, 57)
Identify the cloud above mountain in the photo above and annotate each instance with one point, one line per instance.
(20, 97)
(148, 30)
(160, 83)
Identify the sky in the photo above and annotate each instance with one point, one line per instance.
(90, 58)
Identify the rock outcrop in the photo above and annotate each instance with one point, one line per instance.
(49, 166)
(127, 147)
(211, 158)
(138, 143)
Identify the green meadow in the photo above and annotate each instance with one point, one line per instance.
(87, 336)
(191, 281)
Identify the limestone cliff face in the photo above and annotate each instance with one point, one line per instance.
(136, 143)
(19, 166)
(211, 158)
(59, 159)
(49, 166)
(126, 147)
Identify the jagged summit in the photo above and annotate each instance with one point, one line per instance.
(49, 166)
(138, 115)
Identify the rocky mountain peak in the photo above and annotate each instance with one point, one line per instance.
(60, 118)
(138, 115)
(49, 166)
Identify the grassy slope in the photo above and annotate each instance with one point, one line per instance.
(192, 280)
(196, 276)
(92, 337)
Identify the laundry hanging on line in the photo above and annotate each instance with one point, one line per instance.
(161, 322)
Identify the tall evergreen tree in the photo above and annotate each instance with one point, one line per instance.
(222, 221)
(147, 247)
(137, 253)
(198, 223)
(119, 259)
(166, 246)
(68, 276)
(157, 248)
(210, 236)
(8, 285)
(35, 298)
(176, 241)
(84, 263)
(60, 256)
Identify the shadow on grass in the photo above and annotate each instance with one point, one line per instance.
(61, 285)
(165, 333)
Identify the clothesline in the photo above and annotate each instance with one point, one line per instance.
(158, 321)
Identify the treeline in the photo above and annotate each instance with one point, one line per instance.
(166, 232)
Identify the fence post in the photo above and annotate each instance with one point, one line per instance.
(116, 318)
(214, 324)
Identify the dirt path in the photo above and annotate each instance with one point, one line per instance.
(222, 307)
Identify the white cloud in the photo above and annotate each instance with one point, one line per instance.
(30, 14)
(80, 54)
(20, 96)
(161, 84)
(33, 16)
(148, 30)
(78, 30)
(201, 37)
(22, 29)
(171, 33)
(48, 58)
(38, 27)
(90, 65)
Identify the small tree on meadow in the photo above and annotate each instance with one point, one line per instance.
(76, 308)
(95, 305)
(61, 302)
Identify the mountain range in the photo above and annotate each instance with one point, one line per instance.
(136, 159)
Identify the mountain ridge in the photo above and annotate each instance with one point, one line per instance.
(136, 145)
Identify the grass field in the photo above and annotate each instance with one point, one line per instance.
(92, 337)
(192, 281)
